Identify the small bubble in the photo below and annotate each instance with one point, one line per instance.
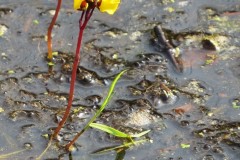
(106, 82)
(206, 147)
(217, 150)
(67, 136)
(184, 123)
(208, 157)
(28, 146)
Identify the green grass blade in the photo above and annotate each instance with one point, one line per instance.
(140, 134)
(116, 132)
(5, 156)
(104, 104)
(126, 145)
(109, 130)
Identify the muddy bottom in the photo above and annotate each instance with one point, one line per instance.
(193, 113)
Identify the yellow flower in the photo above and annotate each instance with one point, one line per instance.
(109, 6)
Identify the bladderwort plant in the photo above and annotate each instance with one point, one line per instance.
(90, 123)
(87, 7)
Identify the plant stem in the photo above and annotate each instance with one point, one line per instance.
(104, 104)
(49, 34)
(82, 26)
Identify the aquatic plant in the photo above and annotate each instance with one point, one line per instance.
(104, 104)
(87, 7)
(116, 132)
(91, 124)
(120, 148)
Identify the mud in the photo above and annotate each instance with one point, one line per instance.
(198, 107)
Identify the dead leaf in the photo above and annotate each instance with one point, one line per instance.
(195, 58)
(183, 109)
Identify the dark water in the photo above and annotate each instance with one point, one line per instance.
(203, 111)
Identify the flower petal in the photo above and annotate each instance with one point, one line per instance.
(109, 6)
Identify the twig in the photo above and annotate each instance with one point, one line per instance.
(165, 45)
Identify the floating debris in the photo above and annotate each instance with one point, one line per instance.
(1, 110)
(36, 21)
(3, 29)
(184, 146)
(172, 53)
(236, 104)
(52, 12)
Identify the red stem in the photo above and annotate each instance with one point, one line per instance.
(73, 79)
(87, 14)
(49, 34)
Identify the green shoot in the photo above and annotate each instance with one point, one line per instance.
(109, 130)
(116, 132)
(126, 145)
(106, 101)
(104, 104)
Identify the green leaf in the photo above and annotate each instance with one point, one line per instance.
(185, 145)
(126, 145)
(105, 102)
(140, 134)
(116, 132)
(109, 130)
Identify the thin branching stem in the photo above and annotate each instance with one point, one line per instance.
(73, 78)
(49, 34)
(82, 25)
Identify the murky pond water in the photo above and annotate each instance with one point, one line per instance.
(200, 119)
